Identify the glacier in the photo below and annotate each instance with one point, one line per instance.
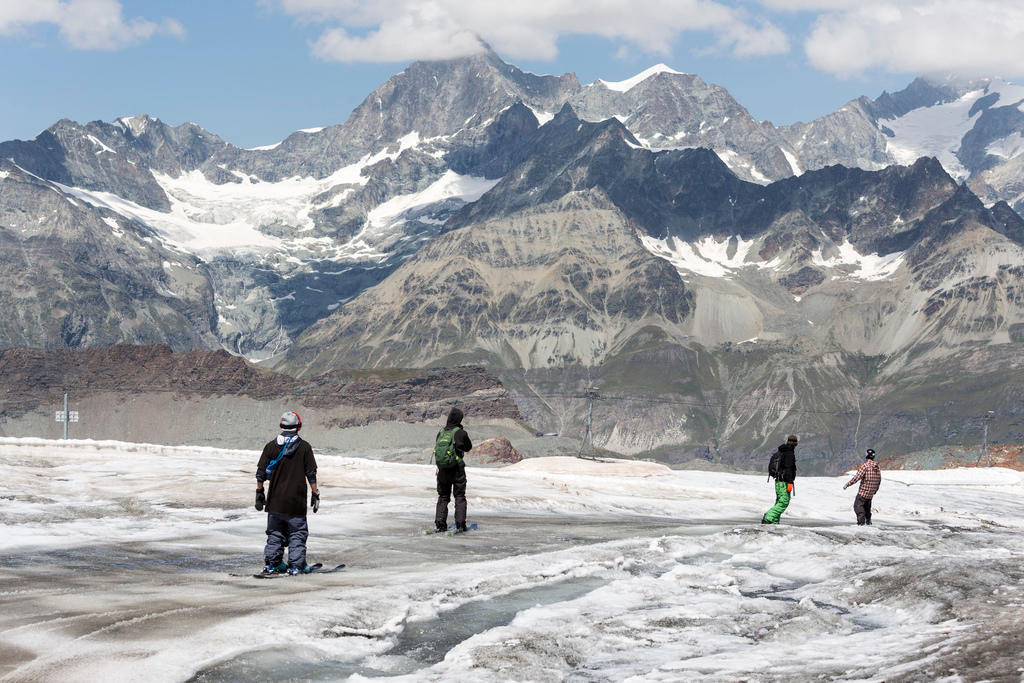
(119, 561)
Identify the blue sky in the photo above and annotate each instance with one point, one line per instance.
(253, 72)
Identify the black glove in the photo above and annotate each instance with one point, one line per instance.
(261, 499)
(314, 500)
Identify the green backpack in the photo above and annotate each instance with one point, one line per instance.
(445, 455)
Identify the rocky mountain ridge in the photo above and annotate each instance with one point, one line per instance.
(648, 235)
(289, 232)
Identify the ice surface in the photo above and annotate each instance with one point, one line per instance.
(119, 557)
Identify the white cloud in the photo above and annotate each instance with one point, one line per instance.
(968, 37)
(84, 24)
(402, 30)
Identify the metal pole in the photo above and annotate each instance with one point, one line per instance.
(590, 394)
(984, 447)
(66, 415)
(988, 417)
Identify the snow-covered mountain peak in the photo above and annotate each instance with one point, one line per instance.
(630, 83)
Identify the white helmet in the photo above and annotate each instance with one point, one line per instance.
(291, 420)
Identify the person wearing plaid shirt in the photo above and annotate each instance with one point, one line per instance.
(870, 478)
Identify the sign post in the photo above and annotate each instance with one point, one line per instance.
(66, 415)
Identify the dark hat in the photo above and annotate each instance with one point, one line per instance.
(870, 454)
(792, 439)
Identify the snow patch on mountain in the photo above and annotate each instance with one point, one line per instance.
(939, 130)
(630, 83)
(451, 185)
(934, 131)
(542, 116)
(734, 161)
(1008, 148)
(708, 256)
(136, 125)
(181, 228)
(207, 218)
(99, 143)
(869, 267)
(721, 258)
(115, 228)
(794, 163)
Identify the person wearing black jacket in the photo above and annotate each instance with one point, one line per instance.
(452, 480)
(783, 481)
(287, 462)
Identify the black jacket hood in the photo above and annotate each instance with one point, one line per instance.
(454, 419)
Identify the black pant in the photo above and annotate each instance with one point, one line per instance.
(451, 480)
(862, 506)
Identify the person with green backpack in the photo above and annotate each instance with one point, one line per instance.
(450, 447)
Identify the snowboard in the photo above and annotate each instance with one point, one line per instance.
(317, 568)
(450, 531)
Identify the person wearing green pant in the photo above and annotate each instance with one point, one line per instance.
(785, 473)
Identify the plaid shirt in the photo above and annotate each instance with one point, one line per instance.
(870, 479)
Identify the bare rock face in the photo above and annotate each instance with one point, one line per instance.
(81, 276)
(497, 451)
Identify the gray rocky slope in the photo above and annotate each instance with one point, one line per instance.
(76, 276)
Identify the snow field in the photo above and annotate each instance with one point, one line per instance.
(579, 571)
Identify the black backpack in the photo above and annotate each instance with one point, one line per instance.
(774, 465)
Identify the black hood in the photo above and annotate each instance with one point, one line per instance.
(454, 419)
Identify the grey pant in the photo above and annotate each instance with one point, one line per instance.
(286, 531)
(862, 508)
(450, 481)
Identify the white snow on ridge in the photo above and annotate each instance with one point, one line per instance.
(629, 83)
(264, 148)
(870, 267)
